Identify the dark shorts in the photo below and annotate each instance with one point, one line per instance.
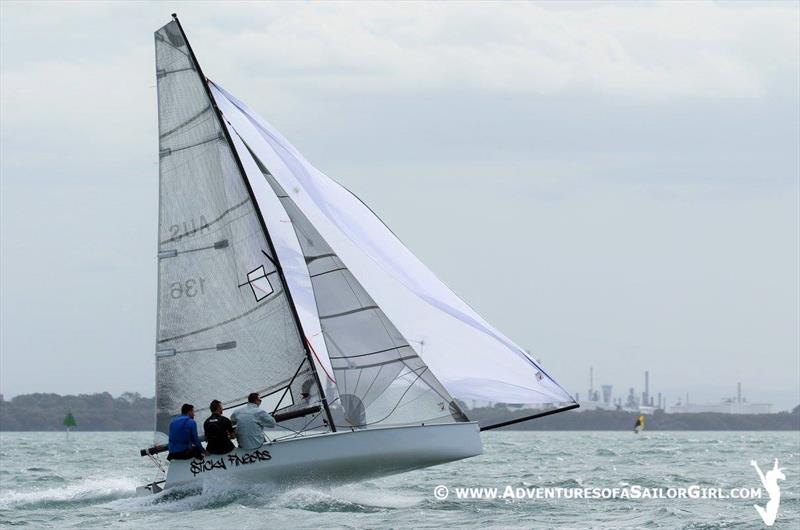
(220, 448)
(186, 455)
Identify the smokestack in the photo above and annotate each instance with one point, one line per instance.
(738, 392)
(591, 378)
(606, 393)
(647, 386)
(659, 401)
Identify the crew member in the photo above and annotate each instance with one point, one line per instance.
(219, 431)
(183, 440)
(250, 423)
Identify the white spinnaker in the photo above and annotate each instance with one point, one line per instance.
(471, 358)
(292, 263)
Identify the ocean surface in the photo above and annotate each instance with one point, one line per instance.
(90, 481)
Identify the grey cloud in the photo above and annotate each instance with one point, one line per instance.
(625, 224)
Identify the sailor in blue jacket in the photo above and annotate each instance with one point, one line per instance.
(183, 440)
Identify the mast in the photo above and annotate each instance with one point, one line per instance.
(240, 166)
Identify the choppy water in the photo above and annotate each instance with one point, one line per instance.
(90, 481)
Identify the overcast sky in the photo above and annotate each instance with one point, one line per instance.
(615, 185)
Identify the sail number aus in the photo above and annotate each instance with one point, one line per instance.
(188, 228)
(190, 288)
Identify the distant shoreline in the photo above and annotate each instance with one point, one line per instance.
(131, 412)
(617, 420)
(515, 428)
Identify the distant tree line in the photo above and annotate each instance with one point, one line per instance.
(92, 412)
(132, 412)
(617, 420)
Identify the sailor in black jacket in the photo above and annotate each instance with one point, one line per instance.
(219, 431)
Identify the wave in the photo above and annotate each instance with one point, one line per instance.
(359, 498)
(321, 501)
(87, 491)
(119, 493)
(605, 452)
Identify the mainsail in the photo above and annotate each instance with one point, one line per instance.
(226, 324)
(274, 278)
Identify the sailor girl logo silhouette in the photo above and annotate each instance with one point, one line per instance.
(770, 483)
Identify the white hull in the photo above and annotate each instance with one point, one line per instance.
(340, 457)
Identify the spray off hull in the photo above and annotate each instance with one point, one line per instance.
(333, 458)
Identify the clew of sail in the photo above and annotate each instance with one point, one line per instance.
(226, 325)
(468, 357)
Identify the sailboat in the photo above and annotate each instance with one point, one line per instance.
(639, 425)
(274, 278)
